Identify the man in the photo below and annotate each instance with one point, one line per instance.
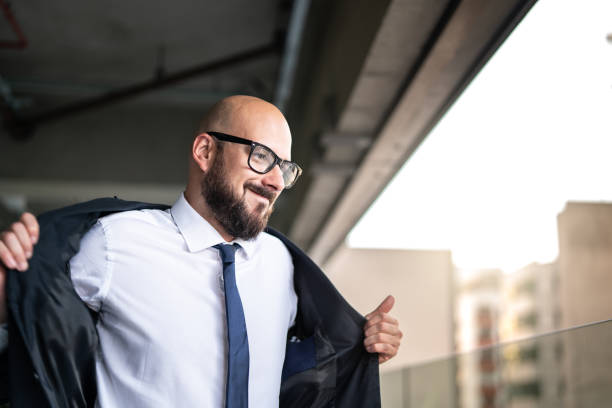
(165, 310)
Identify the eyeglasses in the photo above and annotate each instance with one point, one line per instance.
(262, 159)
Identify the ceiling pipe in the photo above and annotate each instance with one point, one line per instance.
(22, 41)
(22, 126)
(292, 49)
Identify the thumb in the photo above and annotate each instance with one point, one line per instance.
(384, 307)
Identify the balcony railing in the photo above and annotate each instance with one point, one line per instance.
(567, 368)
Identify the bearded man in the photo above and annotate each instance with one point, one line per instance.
(193, 305)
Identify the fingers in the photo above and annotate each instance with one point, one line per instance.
(11, 251)
(377, 318)
(382, 344)
(17, 243)
(6, 257)
(23, 237)
(31, 224)
(385, 351)
(383, 327)
(382, 358)
(381, 340)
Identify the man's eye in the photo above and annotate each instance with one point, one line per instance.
(260, 156)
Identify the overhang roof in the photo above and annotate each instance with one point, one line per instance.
(361, 83)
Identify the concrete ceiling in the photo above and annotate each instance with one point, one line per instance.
(361, 83)
(136, 147)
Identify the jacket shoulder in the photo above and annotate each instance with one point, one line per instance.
(100, 206)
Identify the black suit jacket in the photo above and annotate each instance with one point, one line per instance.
(50, 360)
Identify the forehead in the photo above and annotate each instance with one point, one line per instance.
(265, 125)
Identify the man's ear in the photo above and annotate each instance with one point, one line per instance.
(203, 151)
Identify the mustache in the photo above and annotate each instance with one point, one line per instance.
(262, 191)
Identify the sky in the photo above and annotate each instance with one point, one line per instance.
(531, 132)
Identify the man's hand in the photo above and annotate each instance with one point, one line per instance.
(382, 333)
(16, 247)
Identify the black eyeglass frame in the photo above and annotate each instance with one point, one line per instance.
(224, 137)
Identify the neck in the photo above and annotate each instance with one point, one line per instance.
(197, 202)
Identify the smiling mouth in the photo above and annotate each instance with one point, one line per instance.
(259, 195)
(261, 192)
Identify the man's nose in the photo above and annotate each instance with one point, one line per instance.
(274, 179)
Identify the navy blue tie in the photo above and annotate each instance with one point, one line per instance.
(237, 386)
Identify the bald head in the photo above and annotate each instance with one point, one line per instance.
(247, 117)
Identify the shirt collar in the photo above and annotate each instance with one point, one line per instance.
(198, 233)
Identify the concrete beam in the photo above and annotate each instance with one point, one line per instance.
(473, 33)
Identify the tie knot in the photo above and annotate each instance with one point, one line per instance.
(227, 252)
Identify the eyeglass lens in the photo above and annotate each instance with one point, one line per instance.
(263, 159)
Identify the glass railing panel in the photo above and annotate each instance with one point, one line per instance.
(569, 368)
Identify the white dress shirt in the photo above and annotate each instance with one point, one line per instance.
(157, 283)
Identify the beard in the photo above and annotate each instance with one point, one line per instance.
(229, 209)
